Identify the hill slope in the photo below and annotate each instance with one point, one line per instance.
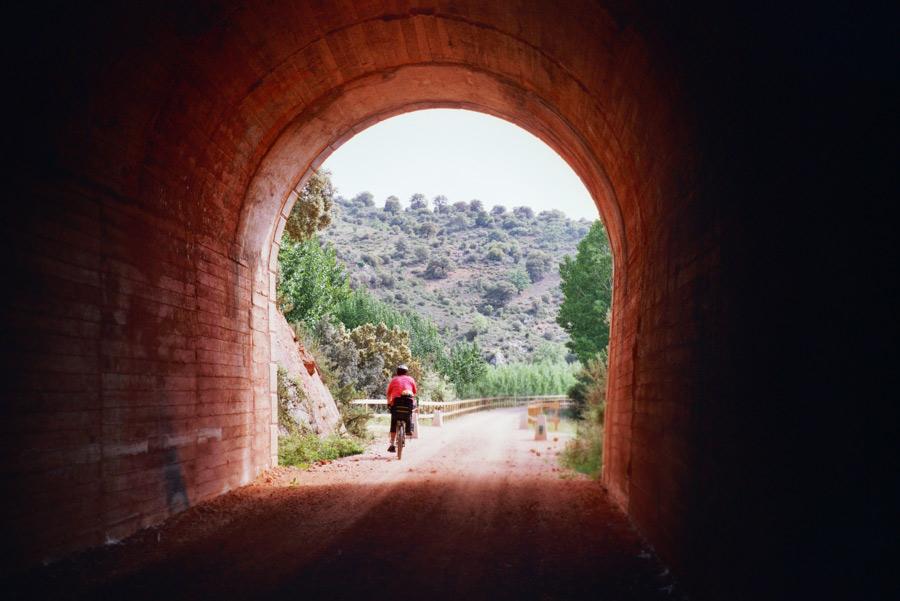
(491, 277)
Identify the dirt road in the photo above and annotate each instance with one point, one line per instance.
(475, 510)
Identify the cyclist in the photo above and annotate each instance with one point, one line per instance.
(400, 393)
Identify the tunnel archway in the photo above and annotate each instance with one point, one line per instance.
(270, 197)
(167, 168)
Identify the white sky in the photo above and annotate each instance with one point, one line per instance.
(462, 155)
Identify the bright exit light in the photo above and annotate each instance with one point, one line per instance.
(462, 155)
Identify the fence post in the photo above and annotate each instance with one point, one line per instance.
(541, 432)
(437, 419)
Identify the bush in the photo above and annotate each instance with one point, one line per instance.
(438, 268)
(499, 294)
(519, 279)
(585, 453)
(360, 308)
(418, 202)
(312, 209)
(482, 219)
(364, 199)
(494, 253)
(537, 265)
(302, 450)
(392, 204)
(426, 230)
(523, 212)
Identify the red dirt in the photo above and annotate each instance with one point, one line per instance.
(484, 510)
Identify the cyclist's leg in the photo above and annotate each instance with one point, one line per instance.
(393, 429)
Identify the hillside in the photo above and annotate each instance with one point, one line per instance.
(485, 275)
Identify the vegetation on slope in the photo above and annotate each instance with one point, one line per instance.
(469, 298)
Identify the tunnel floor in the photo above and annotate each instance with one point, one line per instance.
(475, 510)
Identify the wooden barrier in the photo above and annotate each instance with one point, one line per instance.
(450, 409)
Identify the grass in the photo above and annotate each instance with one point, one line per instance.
(302, 450)
(585, 453)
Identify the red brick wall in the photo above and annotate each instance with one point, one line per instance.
(155, 169)
(140, 328)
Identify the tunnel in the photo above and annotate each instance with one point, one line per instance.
(158, 150)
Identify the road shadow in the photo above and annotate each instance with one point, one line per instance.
(450, 538)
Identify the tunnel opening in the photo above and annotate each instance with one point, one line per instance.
(504, 305)
(264, 219)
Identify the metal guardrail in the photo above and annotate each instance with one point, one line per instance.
(450, 409)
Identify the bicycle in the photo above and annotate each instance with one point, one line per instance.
(405, 406)
(401, 438)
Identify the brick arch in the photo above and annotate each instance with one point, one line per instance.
(271, 193)
(165, 173)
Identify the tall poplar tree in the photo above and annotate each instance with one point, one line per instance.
(587, 294)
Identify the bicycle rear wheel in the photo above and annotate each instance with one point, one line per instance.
(401, 438)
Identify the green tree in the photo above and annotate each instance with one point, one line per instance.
(311, 280)
(312, 209)
(587, 293)
(364, 199)
(465, 365)
(441, 204)
(482, 219)
(418, 202)
(392, 204)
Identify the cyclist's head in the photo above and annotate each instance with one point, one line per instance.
(402, 370)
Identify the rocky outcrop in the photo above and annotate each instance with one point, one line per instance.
(317, 410)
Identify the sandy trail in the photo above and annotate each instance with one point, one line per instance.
(475, 510)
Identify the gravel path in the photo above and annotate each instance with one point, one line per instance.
(475, 510)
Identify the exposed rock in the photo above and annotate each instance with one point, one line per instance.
(318, 410)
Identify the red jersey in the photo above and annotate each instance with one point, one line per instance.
(398, 385)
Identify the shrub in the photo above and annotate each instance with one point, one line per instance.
(585, 453)
(427, 230)
(494, 253)
(302, 450)
(371, 260)
(364, 199)
(312, 210)
(482, 219)
(392, 204)
(441, 204)
(500, 293)
(438, 268)
(537, 265)
(523, 212)
(519, 279)
(418, 202)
